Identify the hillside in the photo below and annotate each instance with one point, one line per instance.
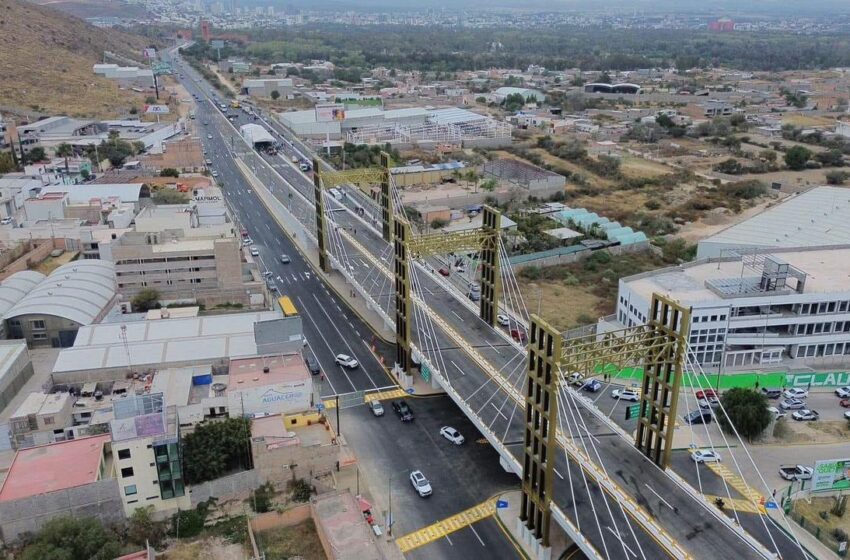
(46, 63)
(96, 8)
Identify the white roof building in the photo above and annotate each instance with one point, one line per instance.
(818, 217)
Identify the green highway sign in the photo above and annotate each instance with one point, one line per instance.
(632, 411)
(426, 373)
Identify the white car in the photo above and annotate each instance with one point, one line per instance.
(346, 361)
(452, 435)
(843, 392)
(626, 395)
(705, 456)
(209, 136)
(420, 484)
(805, 415)
(795, 393)
(847, 415)
(255, 252)
(214, 173)
(776, 412)
(503, 320)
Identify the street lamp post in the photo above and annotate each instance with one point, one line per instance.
(390, 511)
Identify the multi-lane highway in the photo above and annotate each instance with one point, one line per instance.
(599, 517)
(462, 476)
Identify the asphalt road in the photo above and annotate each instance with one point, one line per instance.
(463, 477)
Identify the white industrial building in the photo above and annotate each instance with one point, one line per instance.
(265, 87)
(818, 217)
(788, 307)
(255, 134)
(503, 92)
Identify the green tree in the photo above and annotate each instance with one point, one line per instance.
(796, 157)
(489, 185)
(261, 499)
(439, 223)
(746, 410)
(143, 528)
(7, 163)
(768, 156)
(831, 158)
(71, 538)
(514, 102)
(729, 166)
(35, 154)
(275, 94)
(169, 172)
(216, 449)
(146, 299)
(169, 196)
(65, 150)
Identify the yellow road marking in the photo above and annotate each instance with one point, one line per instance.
(751, 495)
(739, 505)
(449, 525)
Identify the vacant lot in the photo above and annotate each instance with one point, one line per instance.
(298, 541)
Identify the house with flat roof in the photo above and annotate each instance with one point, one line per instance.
(70, 478)
(48, 414)
(263, 385)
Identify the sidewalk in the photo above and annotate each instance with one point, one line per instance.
(508, 518)
(809, 541)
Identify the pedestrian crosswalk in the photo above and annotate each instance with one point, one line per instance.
(446, 526)
(751, 496)
(738, 504)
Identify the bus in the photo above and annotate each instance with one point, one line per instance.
(287, 306)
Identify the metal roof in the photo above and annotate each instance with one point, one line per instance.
(78, 291)
(818, 217)
(454, 115)
(82, 194)
(16, 286)
(255, 133)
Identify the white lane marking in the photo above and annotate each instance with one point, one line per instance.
(327, 377)
(449, 540)
(499, 411)
(559, 474)
(456, 315)
(659, 497)
(493, 347)
(458, 367)
(477, 536)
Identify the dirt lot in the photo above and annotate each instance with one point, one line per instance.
(213, 548)
(822, 431)
(298, 541)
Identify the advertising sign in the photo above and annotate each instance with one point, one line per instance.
(832, 474)
(157, 109)
(149, 53)
(332, 112)
(829, 379)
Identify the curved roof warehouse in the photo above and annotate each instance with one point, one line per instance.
(75, 294)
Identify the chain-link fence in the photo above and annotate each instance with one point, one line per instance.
(817, 517)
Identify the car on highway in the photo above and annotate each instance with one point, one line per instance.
(795, 472)
(698, 417)
(805, 415)
(214, 173)
(247, 241)
(705, 456)
(313, 365)
(795, 393)
(285, 259)
(420, 484)
(452, 435)
(444, 271)
(843, 392)
(792, 404)
(376, 407)
(626, 394)
(516, 334)
(304, 166)
(208, 162)
(503, 320)
(403, 410)
(255, 252)
(576, 379)
(592, 385)
(268, 273)
(346, 361)
(209, 136)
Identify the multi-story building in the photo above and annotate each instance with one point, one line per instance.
(146, 454)
(41, 418)
(169, 252)
(788, 307)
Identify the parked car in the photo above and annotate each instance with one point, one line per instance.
(705, 456)
(576, 379)
(771, 392)
(376, 407)
(792, 404)
(626, 394)
(776, 412)
(452, 435)
(795, 393)
(404, 412)
(698, 417)
(209, 136)
(847, 415)
(214, 173)
(843, 392)
(346, 361)
(592, 385)
(844, 403)
(313, 365)
(420, 484)
(805, 415)
(503, 320)
(705, 394)
(795, 472)
(285, 259)
(255, 252)
(444, 271)
(710, 402)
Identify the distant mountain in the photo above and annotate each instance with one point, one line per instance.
(96, 8)
(46, 59)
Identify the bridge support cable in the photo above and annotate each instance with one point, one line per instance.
(571, 405)
(425, 324)
(521, 308)
(320, 221)
(691, 431)
(742, 445)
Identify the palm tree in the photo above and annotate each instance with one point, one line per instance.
(64, 150)
(473, 177)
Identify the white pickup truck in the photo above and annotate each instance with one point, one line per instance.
(795, 472)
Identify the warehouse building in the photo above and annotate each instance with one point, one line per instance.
(789, 307)
(76, 294)
(528, 94)
(818, 217)
(265, 87)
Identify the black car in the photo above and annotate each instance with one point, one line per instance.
(312, 365)
(699, 417)
(404, 412)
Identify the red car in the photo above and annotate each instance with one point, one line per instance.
(444, 271)
(845, 403)
(706, 394)
(519, 336)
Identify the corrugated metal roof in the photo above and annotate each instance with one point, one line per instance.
(817, 217)
(454, 115)
(78, 291)
(16, 286)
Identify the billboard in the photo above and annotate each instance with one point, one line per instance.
(331, 112)
(832, 474)
(277, 398)
(149, 53)
(157, 109)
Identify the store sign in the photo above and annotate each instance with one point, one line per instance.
(829, 379)
(832, 474)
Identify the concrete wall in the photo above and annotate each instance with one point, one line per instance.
(276, 520)
(101, 500)
(573, 257)
(17, 374)
(227, 486)
(39, 251)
